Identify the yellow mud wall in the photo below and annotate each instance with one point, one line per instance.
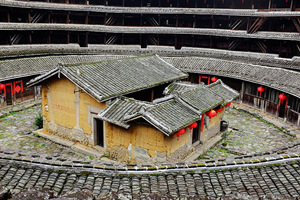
(215, 120)
(212, 122)
(86, 101)
(146, 137)
(172, 144)
(58, 95)
(59, 99)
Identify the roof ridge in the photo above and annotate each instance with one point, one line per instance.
(109, 61)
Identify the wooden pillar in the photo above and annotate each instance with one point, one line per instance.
(29, 18)
(105, 19)
(265, 100)
(8, 17)
(30, 37)
(213, 22)
(292, 7)
(49, 18)
(87, 18)
(152, 94)
(242, 92)
(35, 91)
(86, 40)
(211, 42)
(298, 123)
(68, 38)
(248, 23)
(270, 4)
(202, 123)
(194, 21)
(68, 17)
(49, 38)
(158, 20)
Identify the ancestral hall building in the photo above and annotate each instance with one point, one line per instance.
(92, 104)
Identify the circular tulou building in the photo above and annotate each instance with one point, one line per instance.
(148, 81)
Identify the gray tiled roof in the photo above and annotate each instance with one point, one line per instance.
(201, 99)
(170, 116)
(222, 90)
(264, 59)
(105, 80)
(173, 112)
(119, 109)
(176, 182)
(277, 78)
(179, 87)
(16, 68)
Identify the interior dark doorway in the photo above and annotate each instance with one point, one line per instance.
(8, 89)
(282, 109)
(99, 132)
(196, 133)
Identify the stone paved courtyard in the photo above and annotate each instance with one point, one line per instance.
(247, 135)
(16, 134)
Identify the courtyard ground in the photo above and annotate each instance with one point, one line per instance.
(17, 134)
(247, 135)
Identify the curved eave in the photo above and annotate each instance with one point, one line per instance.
(150, 30)
(147, 10)
(265, 59)
(252, 80)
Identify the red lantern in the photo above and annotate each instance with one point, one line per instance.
(211, 113)
(193, 125)
(282, 97)
(213, 79)
(219, 110)
(260, 89)
(227, 105)
(2, 86)
(180, 132)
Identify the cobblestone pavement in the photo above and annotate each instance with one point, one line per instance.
(16, 135)
(247, 135)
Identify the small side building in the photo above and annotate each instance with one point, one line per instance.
(169, 128)
(118, 107)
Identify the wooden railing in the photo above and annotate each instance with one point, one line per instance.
(293, 117)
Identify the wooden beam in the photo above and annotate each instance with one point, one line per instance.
(262, 46)
(256, 25)
(296, 23)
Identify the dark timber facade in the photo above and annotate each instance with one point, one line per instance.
(243, 25)
(262, 36)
